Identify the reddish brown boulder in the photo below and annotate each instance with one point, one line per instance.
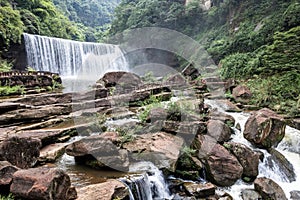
(265, 128)
(112, 79)
(247, 158)
(21, 152)
(200, 190)
(223, 168)
(268, 189)
(41, 184)
(6, 173)
(161, 148)
(218, 130)
(98, 151)
(111, 189)
(242, 94)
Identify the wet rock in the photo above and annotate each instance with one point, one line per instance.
(268, 189)
(248, 194)
(217, 115)
(247, 158)
(111, 189)
(21, 152)
(98, 152)
(191, 71)
(52, 152)
(265, 128)
(238, 126)
(295, 195)
(218, 130)
(242, 94)
(199, 190)
(161, 148)
(222, 168)
(121, 79)
(285, 167)
(6, 173)
(41, 183)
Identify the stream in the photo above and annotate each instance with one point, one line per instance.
(289, 147)
(149, 183)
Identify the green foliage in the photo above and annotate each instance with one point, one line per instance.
(93, 17)
(11, 26)
(9, 197)
(283, 54)
(127, 134)
(11, 90)
(5, 66)
(144, 13)
(149, 78)
(279, 92)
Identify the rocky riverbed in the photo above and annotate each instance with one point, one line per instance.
(123, 121)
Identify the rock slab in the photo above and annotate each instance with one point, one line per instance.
(41, 184)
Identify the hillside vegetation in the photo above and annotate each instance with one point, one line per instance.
(254, 41)
(94, 17)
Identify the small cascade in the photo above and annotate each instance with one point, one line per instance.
(288, 147)
(82, 60)
(150, 185)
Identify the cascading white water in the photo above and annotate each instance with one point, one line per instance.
(79, 60)
(289, 147)
(150, 185)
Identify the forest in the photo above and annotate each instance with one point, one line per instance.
(253, 41)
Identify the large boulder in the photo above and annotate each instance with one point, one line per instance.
(98, 151)
(161, 148)
(111, 189)
(222, 167)
(285, 167)
(264, 128)
(200, 190)
(41, 184)
(268, 189)
(21, 152)
(247, 158)
(6, 173)
(242, 94)
(218, 130)
(121, 79)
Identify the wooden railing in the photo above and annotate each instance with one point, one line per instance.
(27, 73)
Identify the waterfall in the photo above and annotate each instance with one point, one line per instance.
(83, 60)
(150, 185)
